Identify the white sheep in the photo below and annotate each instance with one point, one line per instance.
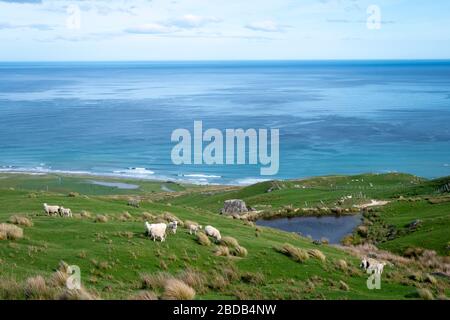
(173, 226)
(372, 265)
(156, 230)
(213, 232)
(193, 228)
(65, 212)
(51, 210)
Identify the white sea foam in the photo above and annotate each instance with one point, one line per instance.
(200, 175)
(248, 181)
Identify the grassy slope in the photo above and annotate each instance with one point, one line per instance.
(53, 239)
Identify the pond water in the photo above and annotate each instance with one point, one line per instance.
(119, 185)
(331, 227)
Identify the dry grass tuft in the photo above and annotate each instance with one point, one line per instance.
(85, 214)
(101, 218)
(342, 264)
(155, 281)
(59, 278)
(194, 279)
(203, 239)
(126, 216)
(10, 231)
(425, 294)
(240, 251)
(36, 289)
(175, 289)
(147, 216)
(144, 295)
(10, 289)
(343, 286)
(20, 220)
(229, 242)
(222, 251)
(218, 282)
(77, 294)
(296, 254)
(317, 254)
(253, 278)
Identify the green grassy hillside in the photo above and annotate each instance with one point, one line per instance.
(116, 256)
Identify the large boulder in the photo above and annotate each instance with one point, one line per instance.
(234, 206)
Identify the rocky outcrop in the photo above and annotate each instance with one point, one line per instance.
(234, 206)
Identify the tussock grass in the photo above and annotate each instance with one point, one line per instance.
(229, 242)
(342, 264)
(176, 289)
(240, 251)
(36, 289)
(101, 218)
(85, 214)
(20, 220)
(296, 254)
(10, 289)
(10, 232)
(317, 254)
(155, 281)
(203, 239)
(126, 216)
(222, 251)
(144, 295)
(194, 279)
(217, 282)
(256, 278)
(343, 286)
(425, 294)
(77, 294)
(147, 216)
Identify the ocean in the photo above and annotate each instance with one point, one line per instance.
(334, 117)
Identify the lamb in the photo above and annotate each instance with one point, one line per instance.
(173, 226)
(156, 230)
(51, 210)
(213, 232)
(63, 212)
(193, 228)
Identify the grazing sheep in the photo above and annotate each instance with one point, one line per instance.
(193, 228)
(213, 232)
(173, 226)
(51, 210)
(372, 265)
(65, 212)
(156, 230)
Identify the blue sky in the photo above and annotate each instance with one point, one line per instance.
(50, 30)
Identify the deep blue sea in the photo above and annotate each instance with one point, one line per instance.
(334, 117)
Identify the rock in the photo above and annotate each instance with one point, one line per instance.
(233, 207)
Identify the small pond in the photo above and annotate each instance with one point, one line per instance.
(119, 185)
(331, 227)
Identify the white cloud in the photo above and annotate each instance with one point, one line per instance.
(192, 21)
(266, 26)
(151, 28)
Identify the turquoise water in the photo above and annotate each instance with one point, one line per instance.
(334, 117)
